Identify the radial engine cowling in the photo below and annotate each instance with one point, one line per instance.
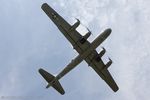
(73, 27)
(108, 63)
(102, 52)
(85, 37)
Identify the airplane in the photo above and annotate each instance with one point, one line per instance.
(87, 51)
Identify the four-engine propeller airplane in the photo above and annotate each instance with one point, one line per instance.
(85, 49)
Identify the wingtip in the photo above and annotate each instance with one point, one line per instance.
(63, 93)
(110, 30)
(115, 90)
(44, 5)
(40, 70)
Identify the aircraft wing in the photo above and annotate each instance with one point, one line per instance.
(102, 71)
(68, 31)
(109, 80)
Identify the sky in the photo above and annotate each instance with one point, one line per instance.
(29, 41)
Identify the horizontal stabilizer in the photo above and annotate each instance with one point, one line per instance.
(52, 81)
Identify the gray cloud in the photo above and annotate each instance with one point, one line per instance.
(27, 38)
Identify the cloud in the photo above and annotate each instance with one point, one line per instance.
(27, 38)
(129, 41)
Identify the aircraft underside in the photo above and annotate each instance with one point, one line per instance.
(86, 50)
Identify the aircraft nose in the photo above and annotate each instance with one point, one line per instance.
(109, 30)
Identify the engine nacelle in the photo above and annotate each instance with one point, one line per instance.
(73, 27)
(85, 37)
(82, 40)
(102, 52)
(108, 63)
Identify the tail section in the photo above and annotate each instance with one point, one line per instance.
(52, 81)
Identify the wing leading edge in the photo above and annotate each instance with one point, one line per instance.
(109, 80)
(101, 69)
(69, 31)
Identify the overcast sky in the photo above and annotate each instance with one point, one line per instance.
(29, 41)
